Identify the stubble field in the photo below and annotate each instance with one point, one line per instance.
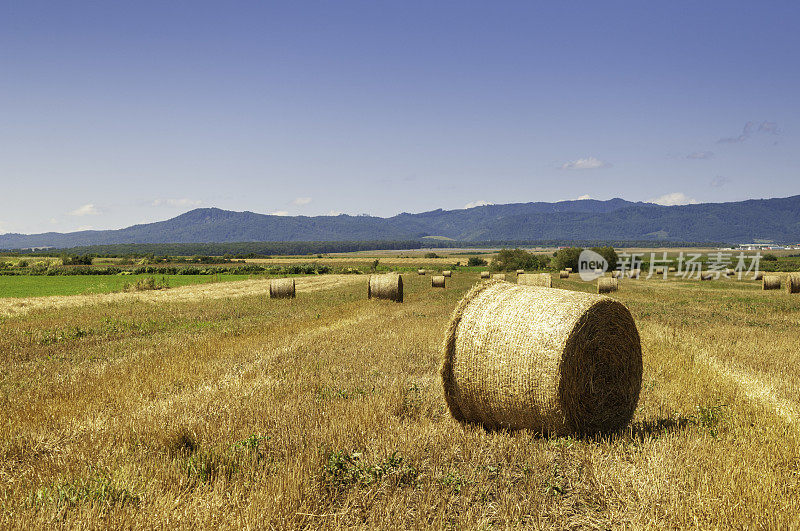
(237, 411)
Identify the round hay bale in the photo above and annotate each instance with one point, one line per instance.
(705, 275)
(568, 269)
(616, 273)
(793, 283)
(520, 271)
(447, 274)
(635, 273)
(485, 274)
(555, 361)
(771, 282)
(420, 271)
(672, 270)
(499, 276)
(758, 275)
(388, 287)
(536, 279)
(563, 274)
(437, 281)
(607, 285)
(281, 288)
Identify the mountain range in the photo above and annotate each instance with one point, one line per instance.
(776, 220)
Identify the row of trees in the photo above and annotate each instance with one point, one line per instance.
(513, 259)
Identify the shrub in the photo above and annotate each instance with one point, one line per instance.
(513, 259)
(567, 257)
(431, 255)
(476, 261)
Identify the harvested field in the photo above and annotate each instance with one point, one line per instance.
(328, 411)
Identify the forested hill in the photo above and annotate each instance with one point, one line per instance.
(776, 220)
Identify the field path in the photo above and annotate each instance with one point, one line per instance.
(217, 290)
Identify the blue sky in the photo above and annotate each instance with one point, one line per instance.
(116, 113)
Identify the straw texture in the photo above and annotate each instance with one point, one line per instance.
(485, 274)
(563, 274)
(437, 281)
(536, 279)
(555, 361)
(388, 286)
(281, 288)
(607, 285)
(447, 274)
(793, 283)
(771, 282)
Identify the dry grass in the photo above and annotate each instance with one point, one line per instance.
(327, 411)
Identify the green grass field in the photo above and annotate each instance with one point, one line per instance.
(43, 286)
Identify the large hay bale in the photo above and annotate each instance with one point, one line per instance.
(447, 274)
(437, 281)
(499, 276)
(607, 285)
(485, 274)
(520, 271)
(536, 279)
(771, 282)
(793, 283)
(758, 275)
(420, 271)
(281, 288)
(563, 274)
(388, 286)
(555, 361)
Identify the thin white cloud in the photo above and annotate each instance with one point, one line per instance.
(701, 155)
(479, 202)
(675, 198)
(279, 213)
(334, 213)
(300, 201)
(583, 197)
(86, 210)
(719, 181)
(183, 202)
(588, 163)
(769, 128)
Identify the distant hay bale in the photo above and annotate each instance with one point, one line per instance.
(563, 274)
(447, 274)
(705, 275)
(485, 274)
(607, 285)
(536, 279)
(771, 282)
(281, 288)
(616, 273)
(793, 283)
(499, 276)
(635, 273)
(420, 271)
(437, 281)
(555, 361)
(672, 270)
(520, 271)
(758, 275)
(388, 287)
(569, 269)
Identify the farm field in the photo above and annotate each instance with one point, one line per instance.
(42, 286)
(198, 407)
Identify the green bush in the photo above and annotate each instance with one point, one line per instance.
(476, 261)
(567, 257)
(513, 259)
